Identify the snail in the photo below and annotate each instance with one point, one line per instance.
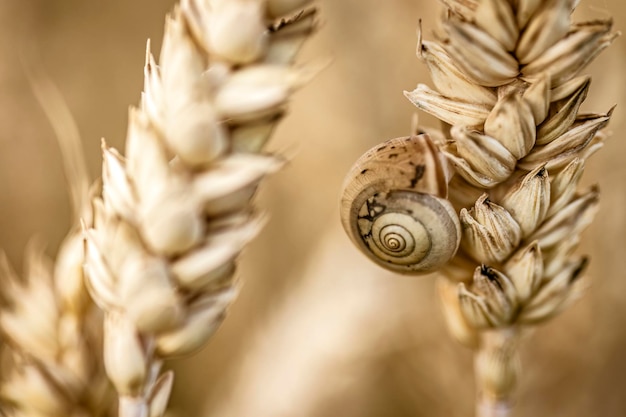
(394, 206)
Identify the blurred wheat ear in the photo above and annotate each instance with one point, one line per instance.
(175, 211)
(51, 328)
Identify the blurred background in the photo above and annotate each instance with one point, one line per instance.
(317, 330)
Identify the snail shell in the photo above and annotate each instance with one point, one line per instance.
(394, 206)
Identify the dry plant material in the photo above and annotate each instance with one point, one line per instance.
(175, 211)
(508, 91)
(50, 326)
(53, 338)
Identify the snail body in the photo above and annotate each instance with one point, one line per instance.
(394, 206)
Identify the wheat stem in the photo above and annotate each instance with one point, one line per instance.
(490, 407)
(496, 366)
(133, 407)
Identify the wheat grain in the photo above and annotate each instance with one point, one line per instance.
(507, 81)
(175, 212)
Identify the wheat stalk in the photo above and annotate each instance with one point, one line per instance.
(50, 326)
(176, 211)
(506, 74)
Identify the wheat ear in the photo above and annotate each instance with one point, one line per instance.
(176, 211)
(51, 328)
(508, 89)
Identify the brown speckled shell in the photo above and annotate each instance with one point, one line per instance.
(407, 177)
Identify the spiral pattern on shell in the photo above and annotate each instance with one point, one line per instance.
(394, 207)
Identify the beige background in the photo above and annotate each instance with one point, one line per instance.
(317, 330)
